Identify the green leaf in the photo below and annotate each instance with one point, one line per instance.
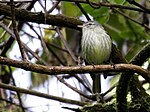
(117, 1)
(134, 49)
(69, 9)
(101, 15)
(4, 35)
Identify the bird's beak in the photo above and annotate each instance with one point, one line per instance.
(80, 26)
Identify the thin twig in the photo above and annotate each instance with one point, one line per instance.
(19, 43)
(4, 32)
(93, 5)
(56, 56)
(18, 94)
(81, 80)
(138, 5)
(110, 89)
(66, 45)
(83, 11)
(40, 38)
(56, 46)
(7, 29)
(53, 7)
(16, 30)
(73, 88)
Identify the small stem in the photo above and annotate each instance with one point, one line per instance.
(16, 31)
(66, 45)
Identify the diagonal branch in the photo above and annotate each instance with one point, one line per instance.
(138, 5)
(66, 44)
(16, 30)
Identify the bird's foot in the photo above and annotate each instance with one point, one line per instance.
(99, 98)
(113, 65)
(93, 65)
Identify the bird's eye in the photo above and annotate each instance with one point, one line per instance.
(90, 23)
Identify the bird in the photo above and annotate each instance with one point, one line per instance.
(96, 47)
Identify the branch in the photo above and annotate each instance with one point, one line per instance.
(56, 20)
(31, 92)
(56, 70)
(16, 30)
(83, 11)
(66, 44)
(96, 5)
(138, 5)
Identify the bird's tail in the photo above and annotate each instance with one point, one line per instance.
(96, 87)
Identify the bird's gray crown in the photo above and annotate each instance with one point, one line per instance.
(91, 24)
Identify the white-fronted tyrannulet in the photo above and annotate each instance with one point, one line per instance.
(96, 47)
